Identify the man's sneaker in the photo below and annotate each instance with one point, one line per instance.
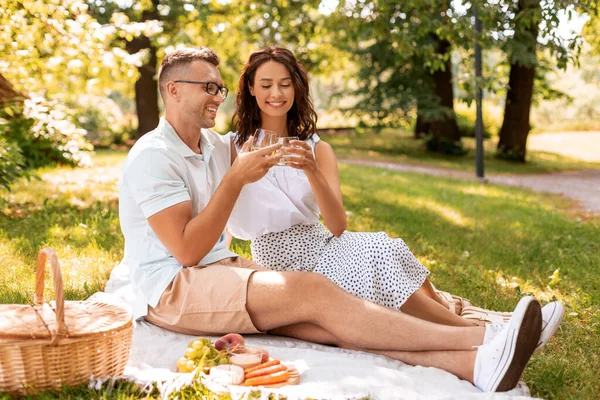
(552, 315)
(500, 363)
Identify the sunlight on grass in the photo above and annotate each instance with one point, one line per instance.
(448, 213)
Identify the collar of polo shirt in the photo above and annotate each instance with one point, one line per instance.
(206, 142)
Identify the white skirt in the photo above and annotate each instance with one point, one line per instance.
(370, 265)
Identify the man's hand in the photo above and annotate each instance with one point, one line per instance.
(250, 166)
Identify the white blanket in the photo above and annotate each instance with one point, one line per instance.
(325, 372)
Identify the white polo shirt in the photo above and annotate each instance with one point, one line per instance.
(161, 171)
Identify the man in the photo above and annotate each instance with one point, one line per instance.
(176, 194)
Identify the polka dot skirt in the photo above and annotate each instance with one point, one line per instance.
(370, 265)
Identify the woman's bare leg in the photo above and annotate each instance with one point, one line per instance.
(427, 289)
(422, 306)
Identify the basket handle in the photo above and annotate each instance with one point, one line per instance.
(43, 255)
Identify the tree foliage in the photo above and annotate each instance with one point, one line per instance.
(54, 51)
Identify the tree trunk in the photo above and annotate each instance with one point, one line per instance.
(442, 79)
(422, 127)
(512, 143)
(7, 93)
(443, 129)
(146, 87)
(515, 126)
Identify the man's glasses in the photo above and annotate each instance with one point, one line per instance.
(211, 87)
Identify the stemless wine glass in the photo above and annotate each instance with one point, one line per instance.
(285, 145)
(264, 138)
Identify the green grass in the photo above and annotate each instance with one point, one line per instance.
(399, 146)
(489, 243)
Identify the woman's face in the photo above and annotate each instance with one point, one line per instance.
(273, 89)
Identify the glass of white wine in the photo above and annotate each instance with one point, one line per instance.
(285, 146)
(264, 138)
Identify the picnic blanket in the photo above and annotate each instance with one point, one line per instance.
(325, 372)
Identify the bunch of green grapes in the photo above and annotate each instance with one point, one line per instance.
(201, 355)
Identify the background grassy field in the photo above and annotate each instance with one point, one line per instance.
(489, 243)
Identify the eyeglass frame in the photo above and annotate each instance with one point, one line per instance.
(219, 87)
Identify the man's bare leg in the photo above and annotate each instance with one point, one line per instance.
(277, 299)
(422, 306)
(459, 363)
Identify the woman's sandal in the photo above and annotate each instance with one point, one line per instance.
(463, 307)
(481, 314)
(456, 304)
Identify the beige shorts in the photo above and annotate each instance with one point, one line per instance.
(207, 300)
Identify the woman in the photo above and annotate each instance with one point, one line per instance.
(280, 213)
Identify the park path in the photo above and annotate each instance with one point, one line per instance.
(583, 186)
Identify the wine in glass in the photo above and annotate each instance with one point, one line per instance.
(286, 145)
(264, 138)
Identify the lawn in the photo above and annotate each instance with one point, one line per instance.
(544, 154)
(489, 243)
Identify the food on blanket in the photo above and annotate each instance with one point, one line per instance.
(230, 342)
(227, 374)
(245, 360)
(277, 377)
(201, 355)
(265, 371)
(200, 342)
(263, 365)
(264, 352)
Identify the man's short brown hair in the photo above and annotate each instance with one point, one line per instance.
(175, 62)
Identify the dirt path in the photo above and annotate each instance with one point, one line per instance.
(583, 186)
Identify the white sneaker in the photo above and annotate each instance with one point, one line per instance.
(552, 315)
(500, 363)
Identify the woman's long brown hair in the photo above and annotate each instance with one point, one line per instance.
(301, 119)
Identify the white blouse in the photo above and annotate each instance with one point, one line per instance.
(279, 200)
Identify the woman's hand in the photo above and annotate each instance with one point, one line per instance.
(300, 156)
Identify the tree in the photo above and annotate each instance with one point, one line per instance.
(591, 30)
(403, 54)
(146, 87)
(515, 128)
(532, 27)
(54, 52)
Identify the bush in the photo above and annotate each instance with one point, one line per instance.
(444, 145)
(45, 135)
(103, 120)
(38, 133)
(466, 119)
(12, 163)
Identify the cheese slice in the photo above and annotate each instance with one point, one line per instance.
(227, 374)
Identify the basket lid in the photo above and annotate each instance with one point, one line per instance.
(89, 318)
(82, 318)
(18, 321)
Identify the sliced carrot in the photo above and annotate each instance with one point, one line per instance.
(261, 366)
(277, 377)
(266, 371)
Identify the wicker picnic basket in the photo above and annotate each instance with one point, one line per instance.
(42, 347)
